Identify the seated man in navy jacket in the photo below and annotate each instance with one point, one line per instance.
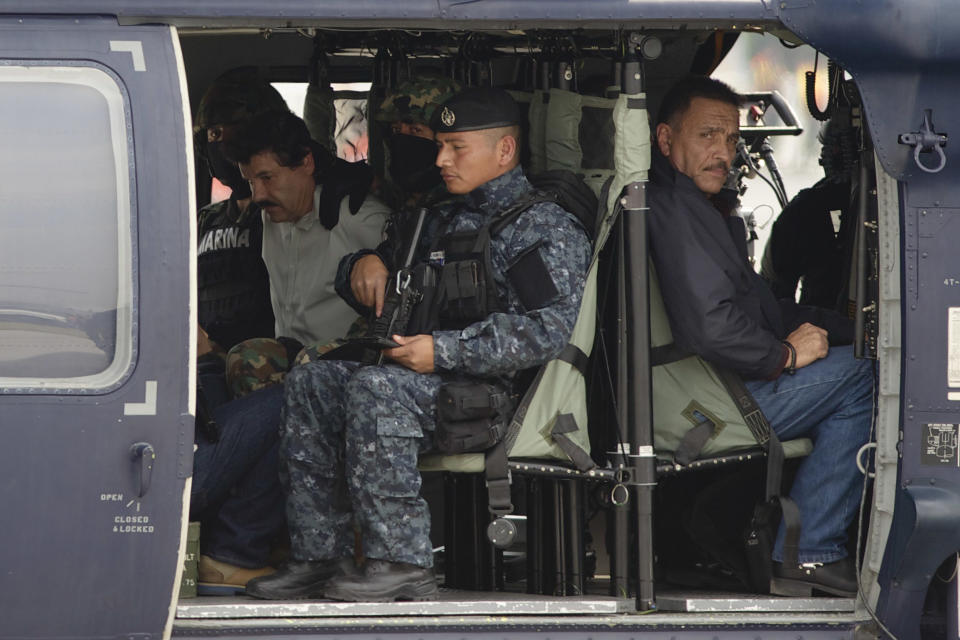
(720, 309)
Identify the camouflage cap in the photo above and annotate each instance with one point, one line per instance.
(236, 97)
(416, 100)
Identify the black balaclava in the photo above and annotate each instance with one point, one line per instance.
(226, 171)
(413, 165)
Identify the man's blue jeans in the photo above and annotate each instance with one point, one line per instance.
(236, 487)
(831, 402)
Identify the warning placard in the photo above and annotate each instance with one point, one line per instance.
(939, 445)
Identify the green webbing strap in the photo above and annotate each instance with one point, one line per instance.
(565, 424)
(693, 441)
(574, 355)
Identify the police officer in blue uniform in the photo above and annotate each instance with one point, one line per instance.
(351, 433)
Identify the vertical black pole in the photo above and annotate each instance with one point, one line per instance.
(574, 543)
(544, 78)
(451, 530)
(641, 460)
(563, 77)
(619, 510)
(535, 537)
(560, 538)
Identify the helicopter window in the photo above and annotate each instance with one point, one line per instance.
(65, 289)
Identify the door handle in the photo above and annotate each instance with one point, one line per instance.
(144, 453)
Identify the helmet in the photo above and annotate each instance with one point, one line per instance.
(416, 100)
(235, 97)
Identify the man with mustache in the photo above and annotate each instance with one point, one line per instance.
(721, 310)
(309, 223)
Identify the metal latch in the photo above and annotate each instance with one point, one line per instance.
(144, 454)
(925, 141)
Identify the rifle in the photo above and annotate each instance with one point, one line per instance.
(399, 300)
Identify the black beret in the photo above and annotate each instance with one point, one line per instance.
(476, 108)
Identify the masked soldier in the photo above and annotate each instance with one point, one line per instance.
(352, 433)
(233, 289)
(412, 174)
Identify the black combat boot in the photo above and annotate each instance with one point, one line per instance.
(836, 578)
(299, 580)
(383, 581)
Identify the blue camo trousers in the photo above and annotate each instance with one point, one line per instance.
(349, 443)
(831, 402)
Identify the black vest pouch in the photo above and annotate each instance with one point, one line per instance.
(462, 291)
(471, 416)
(466, 291)
(423, 317)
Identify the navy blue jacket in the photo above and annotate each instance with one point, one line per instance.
(719, 308)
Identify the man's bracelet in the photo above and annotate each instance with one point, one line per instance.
(791, 368)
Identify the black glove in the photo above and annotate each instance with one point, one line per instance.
(342, 179)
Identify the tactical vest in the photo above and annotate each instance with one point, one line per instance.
(233, 289)
(457, 281)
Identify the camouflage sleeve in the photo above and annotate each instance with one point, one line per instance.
(504, 343)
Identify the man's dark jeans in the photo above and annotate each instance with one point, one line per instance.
(236, 490)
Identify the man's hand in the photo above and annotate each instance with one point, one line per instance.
(368, 281)
(203, 342)
(811, 344)
(414, 352)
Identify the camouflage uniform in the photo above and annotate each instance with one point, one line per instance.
(351, 434)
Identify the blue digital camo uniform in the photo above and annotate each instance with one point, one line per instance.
(351, 434)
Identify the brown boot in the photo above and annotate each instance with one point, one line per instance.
(221, 579)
